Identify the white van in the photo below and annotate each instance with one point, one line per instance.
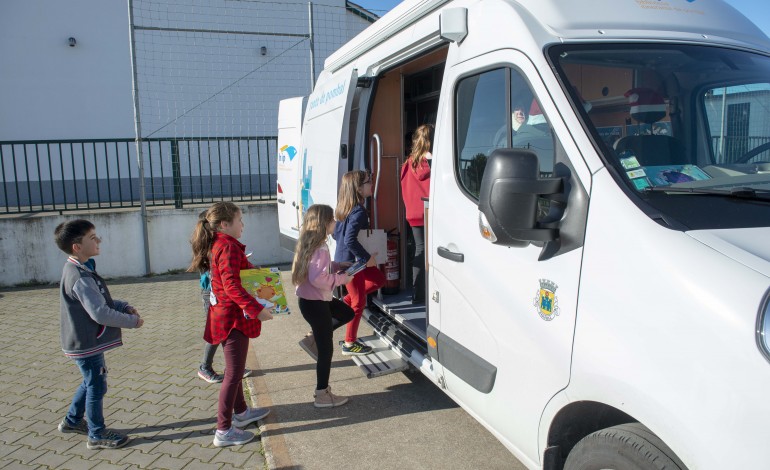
(598, 281)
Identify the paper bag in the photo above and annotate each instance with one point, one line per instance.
(375, 241)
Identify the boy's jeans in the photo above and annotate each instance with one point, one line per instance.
(89, 395)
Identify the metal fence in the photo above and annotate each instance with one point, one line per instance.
(730, 148)
(38, 176)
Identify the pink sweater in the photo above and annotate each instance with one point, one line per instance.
(320, 281)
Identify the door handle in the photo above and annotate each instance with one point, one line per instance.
(450, 255)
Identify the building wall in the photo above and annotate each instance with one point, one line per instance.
(190, 83)
(31, 255)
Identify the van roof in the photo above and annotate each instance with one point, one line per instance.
(564, 20)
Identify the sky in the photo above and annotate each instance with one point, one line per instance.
(756, 10)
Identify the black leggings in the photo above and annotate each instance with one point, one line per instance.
(324, 317)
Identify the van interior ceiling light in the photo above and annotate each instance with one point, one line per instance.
(72, 41)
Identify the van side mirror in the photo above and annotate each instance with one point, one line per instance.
(508, 198)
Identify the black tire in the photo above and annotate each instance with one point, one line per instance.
(625, 447)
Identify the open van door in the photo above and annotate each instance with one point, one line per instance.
(325, 138)
(290, 113)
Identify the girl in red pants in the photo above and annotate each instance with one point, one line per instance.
(351, 218)
(234, 315)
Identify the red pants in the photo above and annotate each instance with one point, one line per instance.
(231, 397)
(363, 284)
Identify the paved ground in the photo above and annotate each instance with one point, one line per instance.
(397, 421)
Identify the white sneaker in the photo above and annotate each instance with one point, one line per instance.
(326, 399)
(241, 420)
(233, 437)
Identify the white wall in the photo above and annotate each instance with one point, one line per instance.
(30, 253)
(49, 90)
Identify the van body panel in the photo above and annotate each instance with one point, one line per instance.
(324, 131)
(748, 246)
(701, 380)
(290, 115)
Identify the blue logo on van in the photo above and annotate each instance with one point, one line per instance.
(287, 151)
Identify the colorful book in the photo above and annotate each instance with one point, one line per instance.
(266, 286)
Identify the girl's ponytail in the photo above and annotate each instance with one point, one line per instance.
(312, 235)
(202, 237)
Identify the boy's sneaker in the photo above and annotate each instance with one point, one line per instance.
(109, 440)
(308, 344)
(80, 428)
(210, 376)
(249, 416)
(326, 399)
(355, 349)
(246, 373)
(232, 437)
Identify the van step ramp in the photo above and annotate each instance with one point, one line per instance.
(381, 361)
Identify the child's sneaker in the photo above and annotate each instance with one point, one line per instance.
(308, 344)
(249, 416)
(80, 428)
(355, 349)
(246, 373)
(210, 376)
(108, 440)
(326, 399)
(232, 437)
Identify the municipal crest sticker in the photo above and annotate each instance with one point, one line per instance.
(546, 301)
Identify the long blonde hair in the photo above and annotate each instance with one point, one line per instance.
(421, 142)
(349, 195)
(202, 238)
(312, 236)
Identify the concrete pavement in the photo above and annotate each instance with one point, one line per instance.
(397, 421)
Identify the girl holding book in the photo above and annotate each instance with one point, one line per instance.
(351, 218)
(234, 316)
(315, 275)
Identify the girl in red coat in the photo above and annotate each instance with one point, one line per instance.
(234, 316)
(415, 185)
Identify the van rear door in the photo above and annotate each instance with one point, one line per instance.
(325, 138)
(290, 113)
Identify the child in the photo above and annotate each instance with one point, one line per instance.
(234, 316)
(315, 276)
(352, 217)
(90, 325)
(206, 369)
(415, 185)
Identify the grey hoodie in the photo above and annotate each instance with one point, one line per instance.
(90, 319)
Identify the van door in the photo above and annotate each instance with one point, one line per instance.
(290, 113)
(325, 138)
(507, 319)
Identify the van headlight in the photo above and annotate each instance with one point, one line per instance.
(763, 327)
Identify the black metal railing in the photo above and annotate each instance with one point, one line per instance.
(730, 147)
(39, 175)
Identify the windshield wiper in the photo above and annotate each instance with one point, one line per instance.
(742, 192)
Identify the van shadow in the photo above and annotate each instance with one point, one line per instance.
(297, 368)
(403, 399)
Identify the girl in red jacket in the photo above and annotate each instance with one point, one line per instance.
(415, 185)
(234, 316)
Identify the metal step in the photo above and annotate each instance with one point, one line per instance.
(381, 361)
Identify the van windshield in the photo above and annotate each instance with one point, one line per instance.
(675, 121)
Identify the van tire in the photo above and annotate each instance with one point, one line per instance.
(626, 446)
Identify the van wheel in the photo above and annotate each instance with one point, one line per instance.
(622, 447)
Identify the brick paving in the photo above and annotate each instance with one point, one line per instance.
(154, 394)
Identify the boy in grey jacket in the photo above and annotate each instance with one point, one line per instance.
(90, 325)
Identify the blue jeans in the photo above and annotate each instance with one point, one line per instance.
(90, 395)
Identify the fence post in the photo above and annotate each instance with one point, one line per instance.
(138, 130)
(176, 174)
(311, 36)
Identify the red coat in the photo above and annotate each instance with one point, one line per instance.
(415, 185)
(228, 257)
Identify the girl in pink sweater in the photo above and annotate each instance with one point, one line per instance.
(315, 275)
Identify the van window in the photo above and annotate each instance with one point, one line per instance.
(497, 109)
